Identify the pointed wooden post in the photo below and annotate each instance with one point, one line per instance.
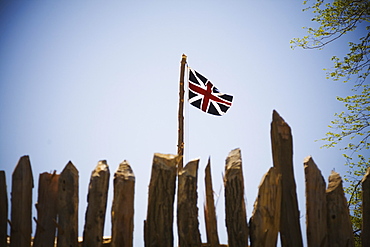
(265, 220)
(21, 209)
(46, 210)
(365, 232)
(123, 206)
(209, 210)
(158, 226)
(68, 207)
(187, 210)
(316, 212)
(282, 153)
(3, 210)
(339, 223)
(236, 215)
(97, 205)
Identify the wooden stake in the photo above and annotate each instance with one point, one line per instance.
(158, 226)
(316, 211)
(236, 215)
(265, 220)
(180, 142)
(3, 210)
(365, 232)
(209, 210)
(97, 205)
(282, 153)
(21, 209)
(339, 223)
(187, 210)
(68, 207)
(123, 206)
(46, 210)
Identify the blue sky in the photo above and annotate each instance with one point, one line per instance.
(92, 80)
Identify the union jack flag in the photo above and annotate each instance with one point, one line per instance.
(205, 96)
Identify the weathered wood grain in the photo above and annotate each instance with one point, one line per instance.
(282, 153)
(21, 208)
(265, 220)
(316, 211)
(187, 210)
(68, 207)
(123, 206)
(46, 210)
(96, 205)
(209, 210)
(236, 216)
(158, 226)
(365, 232)
(339, 223)
(3, 210)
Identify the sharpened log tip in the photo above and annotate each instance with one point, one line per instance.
(71, 168)
(334, 181)
(282, 127)
(307, 159)
(165, 161)
(125, 170)
(367, 174)
(233, 160)
(191, 168)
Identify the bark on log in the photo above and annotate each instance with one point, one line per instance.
(236, 216)
(316, 212)
(365, 232)
(339, 223)
(68, 207)
(123, 206)
(21, 209)
(97, 205)
(265, 220)
(46, 210)
(282, 152)
(3, 210)
(159, 220)
(187, 210)
(209, 210)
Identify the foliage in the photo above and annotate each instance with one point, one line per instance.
(335, 19)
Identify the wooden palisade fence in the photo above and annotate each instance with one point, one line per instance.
(275, 209)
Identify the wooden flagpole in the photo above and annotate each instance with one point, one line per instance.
(180, 142)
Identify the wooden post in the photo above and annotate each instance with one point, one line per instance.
(339, 223)
(158, 226)
(316, 212)
(236, 216)
(21, 209)
(209, 210)
(3, 210)
(180, 140)
(365, 232)
(123, 206)
(265, 220)
(187, 210)
(97, 205)
(46, 210)
(282, 153)
(68, 207)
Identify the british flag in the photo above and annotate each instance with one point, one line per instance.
(205, 96)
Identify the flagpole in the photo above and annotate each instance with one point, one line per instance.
(180, 140)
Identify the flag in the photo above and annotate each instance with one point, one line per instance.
(205, 96)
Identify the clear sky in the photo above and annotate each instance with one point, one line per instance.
(92, 80)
